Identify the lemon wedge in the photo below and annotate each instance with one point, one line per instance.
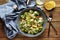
(50, 5)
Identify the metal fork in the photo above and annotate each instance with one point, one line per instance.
(50, 24)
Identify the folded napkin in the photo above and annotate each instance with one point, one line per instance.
(9, 17)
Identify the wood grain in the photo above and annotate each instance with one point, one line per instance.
(55, 22)
(44, 35)
(56, 14)
(3, 1)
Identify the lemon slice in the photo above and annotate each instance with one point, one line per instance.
(50, 5)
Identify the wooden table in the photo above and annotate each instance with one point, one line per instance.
(55, 22)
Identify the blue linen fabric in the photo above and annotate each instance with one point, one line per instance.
(8, 15)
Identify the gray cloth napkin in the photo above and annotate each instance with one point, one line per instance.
(9, 17)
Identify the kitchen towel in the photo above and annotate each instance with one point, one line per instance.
(9, 16)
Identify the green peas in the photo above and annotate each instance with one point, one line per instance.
(31, 22)
(22, 16)
(36, 13)
(26, 13)
(31, 11)
(26, 29)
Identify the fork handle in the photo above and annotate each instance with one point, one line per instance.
(49, 30)
(53, 28)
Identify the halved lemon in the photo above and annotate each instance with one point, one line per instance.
(50, 5)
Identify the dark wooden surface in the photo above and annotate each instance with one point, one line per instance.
(55, 22)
